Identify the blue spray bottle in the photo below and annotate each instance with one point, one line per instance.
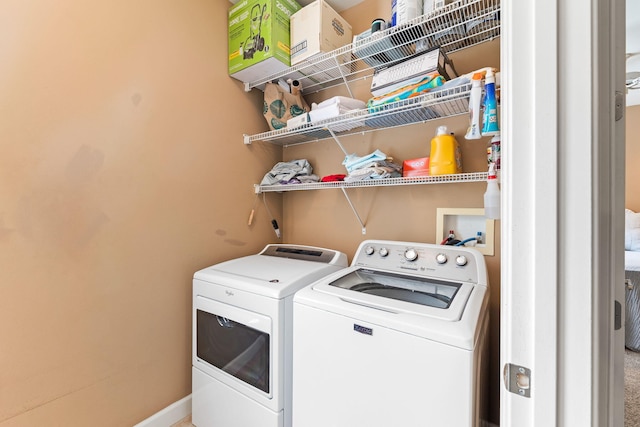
(490, 115)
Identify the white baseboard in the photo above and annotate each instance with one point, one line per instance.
(169, 415)
(180, 409)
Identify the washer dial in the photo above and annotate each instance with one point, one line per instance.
(411, 254)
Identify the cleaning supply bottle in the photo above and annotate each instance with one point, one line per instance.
(475, 101)
(490, 115)
(493, 151)
(445, 155)
(492, 195)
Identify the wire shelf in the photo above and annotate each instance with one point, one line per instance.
(383, 182)
(430, 106)
(457, 26)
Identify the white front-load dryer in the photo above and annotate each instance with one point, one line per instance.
(242, 334)
(396, 339)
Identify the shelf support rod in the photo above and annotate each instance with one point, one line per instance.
(344, 78)
(335, 138)
(364, 229)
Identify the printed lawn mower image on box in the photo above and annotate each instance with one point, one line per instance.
(255, 41)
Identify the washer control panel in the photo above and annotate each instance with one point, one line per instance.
(425, 259)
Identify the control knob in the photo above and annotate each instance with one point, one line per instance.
(369, 250)
(411, 254)
(383, 252)
(441, 258)
(461, 260)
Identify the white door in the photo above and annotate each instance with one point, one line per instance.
(562, 213)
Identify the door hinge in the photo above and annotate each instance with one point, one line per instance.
(619, 107)
(517, 379)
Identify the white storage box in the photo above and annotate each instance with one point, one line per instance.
(298, 121)
(317, 28)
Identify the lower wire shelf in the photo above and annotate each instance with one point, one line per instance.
(383, 182)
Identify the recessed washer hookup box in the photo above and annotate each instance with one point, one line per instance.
(259, 38)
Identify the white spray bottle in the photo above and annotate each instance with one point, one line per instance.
(475, 101)
(492, 195)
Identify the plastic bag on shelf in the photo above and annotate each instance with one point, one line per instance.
(280, 106)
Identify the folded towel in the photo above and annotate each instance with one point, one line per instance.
(375, 170)
(347, 103)
(353, 162)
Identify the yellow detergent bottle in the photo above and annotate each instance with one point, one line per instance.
(445, 153)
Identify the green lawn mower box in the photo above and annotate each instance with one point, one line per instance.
(259, 38)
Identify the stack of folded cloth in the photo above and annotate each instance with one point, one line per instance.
(372, 166)
(293, 172)
(334, 107)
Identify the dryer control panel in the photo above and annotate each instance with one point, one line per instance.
(435, 261)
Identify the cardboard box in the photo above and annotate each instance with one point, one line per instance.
(317, 28)
(416, 167)
(259, 38)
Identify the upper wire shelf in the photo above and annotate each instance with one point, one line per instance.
(459, 25)
(429, 106)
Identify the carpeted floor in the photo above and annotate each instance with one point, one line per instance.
(631, 389)
(185, 422)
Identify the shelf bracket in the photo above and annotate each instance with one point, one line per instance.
(246, 139)
(335, 138)
(344, 78)
(364, 229)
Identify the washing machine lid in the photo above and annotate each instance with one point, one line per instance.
(277, 271)
(399, 293)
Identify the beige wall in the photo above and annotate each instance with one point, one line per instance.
(122, 172)
(633, 158)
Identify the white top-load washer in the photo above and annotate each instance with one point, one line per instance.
(396, 339)
(242, 334)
